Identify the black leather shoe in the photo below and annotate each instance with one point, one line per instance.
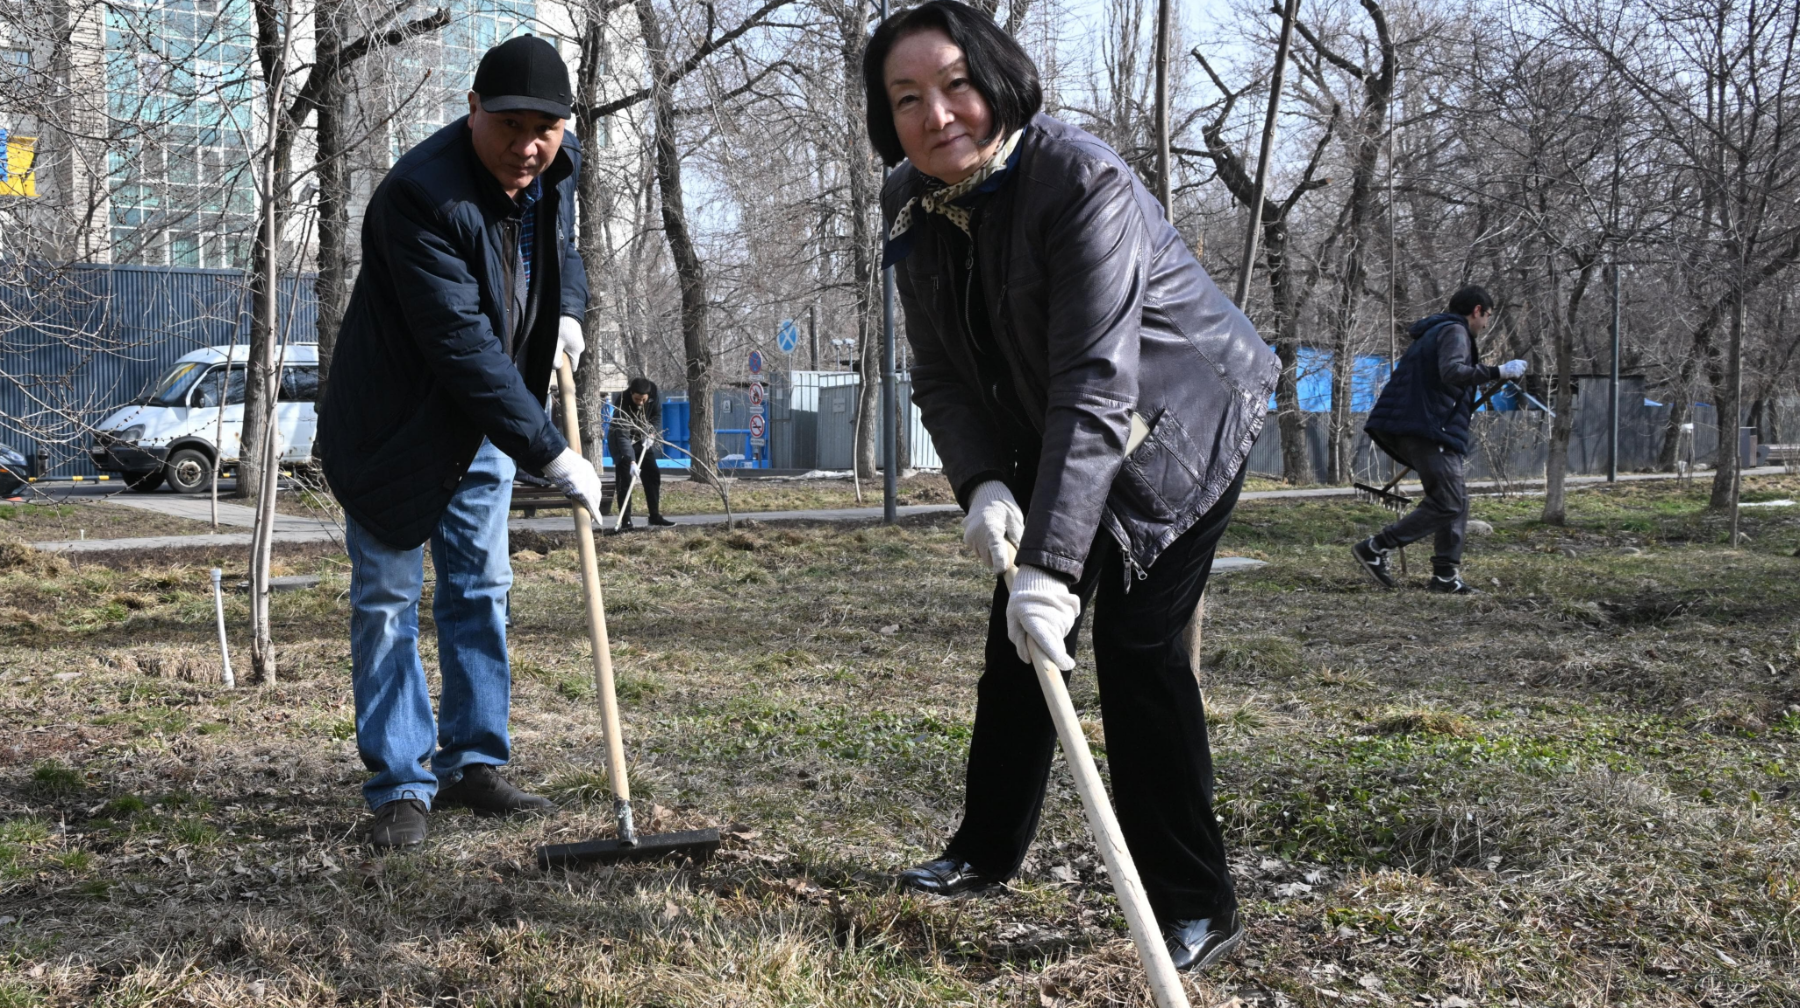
(1374, 562)
(483, 791)
(399, 823)
(945, 877)
(1197, 944)
(660, 520)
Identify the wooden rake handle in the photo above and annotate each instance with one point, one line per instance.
(1165, 983)
(596, 614)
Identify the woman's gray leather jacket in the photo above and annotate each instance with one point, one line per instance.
(1103, 316)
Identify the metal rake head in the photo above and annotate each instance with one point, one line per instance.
(1394, 502)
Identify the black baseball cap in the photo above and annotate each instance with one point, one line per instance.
(524, 73)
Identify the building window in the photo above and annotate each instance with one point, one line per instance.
(184, 249)
(15, 64)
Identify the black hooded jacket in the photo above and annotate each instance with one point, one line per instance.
(1431, 393)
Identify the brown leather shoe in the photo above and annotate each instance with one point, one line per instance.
(483, 791)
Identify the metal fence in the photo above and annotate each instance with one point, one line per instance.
(812, 422)
(1515, 444)
(78, 342)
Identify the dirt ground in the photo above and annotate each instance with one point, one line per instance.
(1576, 789)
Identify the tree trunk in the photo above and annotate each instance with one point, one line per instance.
(1679, 413)
(1556, 468)
(696, 344)
(863, 212)
(1340, 453)
(1296, 458)
(1730, 413)
(595, 202)
(332, 285)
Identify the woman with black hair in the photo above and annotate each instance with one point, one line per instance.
(1093, 396)
(636, 423)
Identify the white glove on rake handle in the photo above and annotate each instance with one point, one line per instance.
(1513, 369)
(575, 477)
(1041, 610)
(993, 526)
(570, 341)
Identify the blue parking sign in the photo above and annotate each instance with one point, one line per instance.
(787, 337)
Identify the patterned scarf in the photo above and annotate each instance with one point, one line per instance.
(942, 200)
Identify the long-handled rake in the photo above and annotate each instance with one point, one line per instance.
(1165, 983)
(628, 845)
(637, 481)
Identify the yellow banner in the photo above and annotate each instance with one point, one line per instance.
(20, 180)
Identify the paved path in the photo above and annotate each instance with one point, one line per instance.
(199, 509)
(292, 529)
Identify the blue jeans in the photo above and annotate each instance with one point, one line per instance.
(395, 732)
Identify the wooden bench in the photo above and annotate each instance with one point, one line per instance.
(1786, 454)
(529, 497)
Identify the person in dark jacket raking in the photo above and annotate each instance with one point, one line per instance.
(1422, 421)
(1093, 397)
(470, 288)
(631, 434)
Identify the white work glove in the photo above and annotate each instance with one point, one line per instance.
(1041, 609)
(570, 341)
(994, 521)
(575, 476)
(1512, 369)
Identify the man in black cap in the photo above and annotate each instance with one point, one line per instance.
(470, 287)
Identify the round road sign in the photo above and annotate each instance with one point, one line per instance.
(756, 362)
(756, 393)
(756, 426)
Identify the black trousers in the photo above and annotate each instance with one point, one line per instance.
(1156, 745)
(652, 480)
(1443, 514)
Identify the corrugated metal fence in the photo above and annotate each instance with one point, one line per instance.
(77, 342)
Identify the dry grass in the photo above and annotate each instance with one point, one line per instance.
(1575, 790)
(42, 522)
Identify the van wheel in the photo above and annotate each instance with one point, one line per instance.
(189, 471)
(144, 482)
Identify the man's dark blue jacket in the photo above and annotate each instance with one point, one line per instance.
(433, 354)
(1431, 393)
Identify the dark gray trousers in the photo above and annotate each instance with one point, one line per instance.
(1445, 509)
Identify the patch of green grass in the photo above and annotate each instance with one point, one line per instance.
(123, 807)
(185, 801)
(24, 831)
(576, 686)
(14, 994)
(75, 862)
(52, 778)
(194, 831)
